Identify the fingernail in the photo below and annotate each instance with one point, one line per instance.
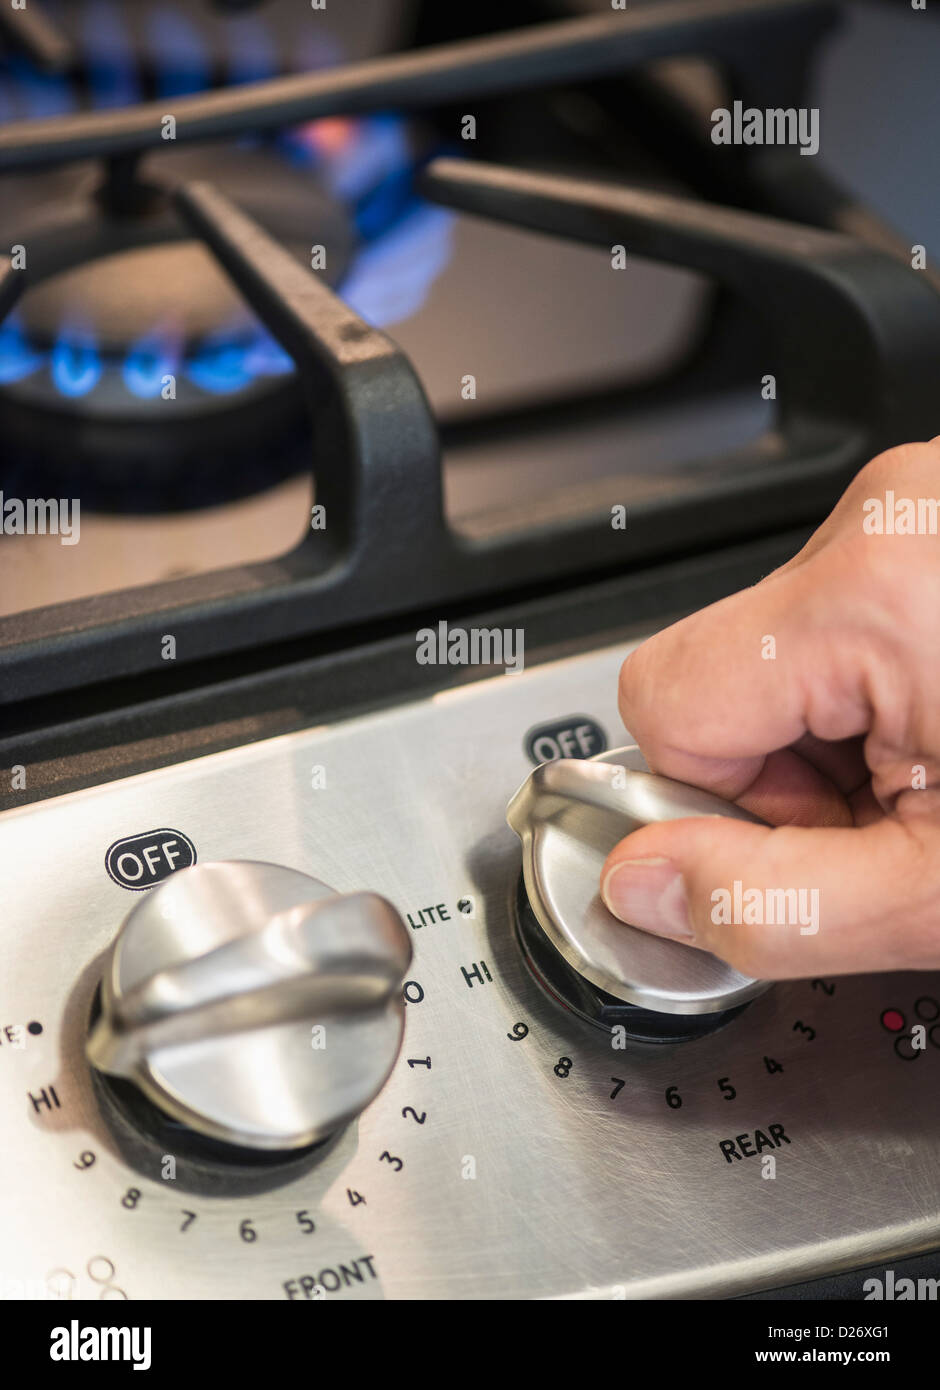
(650, 894)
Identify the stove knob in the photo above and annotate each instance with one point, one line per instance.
(253, 1004)
(569, 815)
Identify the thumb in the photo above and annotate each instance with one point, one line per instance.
(786, 902)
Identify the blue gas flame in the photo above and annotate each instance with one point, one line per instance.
(150, 360)
(225, 363)
(220, 367)
(390, 279)
(264, 356)
(35, 94)
(75, 362)
(252, 54)
(180, 56)
(17, 358)
(109, 50)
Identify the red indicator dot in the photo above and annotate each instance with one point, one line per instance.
(893, 1020)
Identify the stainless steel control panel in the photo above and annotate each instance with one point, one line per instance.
(515, 1151)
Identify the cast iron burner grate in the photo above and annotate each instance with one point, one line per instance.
(855, 338)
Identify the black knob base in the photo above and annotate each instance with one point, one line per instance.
(569, 989)
(146, 1137)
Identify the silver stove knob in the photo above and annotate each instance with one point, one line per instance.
(254, 1004)
(569, 815)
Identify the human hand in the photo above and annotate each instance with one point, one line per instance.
(813, 701)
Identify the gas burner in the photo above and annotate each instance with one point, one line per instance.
(131, 362)
(146, 329)
(348, 183)
(850, 335)
(99, 337)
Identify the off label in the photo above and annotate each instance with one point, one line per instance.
(140, 861)
(577, 736)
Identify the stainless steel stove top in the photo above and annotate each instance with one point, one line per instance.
(513, 1152)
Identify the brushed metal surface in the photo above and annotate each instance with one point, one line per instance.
(528, 1178)
(216, 983)
(569, 815)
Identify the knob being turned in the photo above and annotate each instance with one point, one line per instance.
(569, 815)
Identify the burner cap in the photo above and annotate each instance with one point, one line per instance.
(176, 290)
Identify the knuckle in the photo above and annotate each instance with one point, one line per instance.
(629, 674)
(919, 460)
(630, 687)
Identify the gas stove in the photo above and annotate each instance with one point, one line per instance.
(307, 992)
(517, 1148)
